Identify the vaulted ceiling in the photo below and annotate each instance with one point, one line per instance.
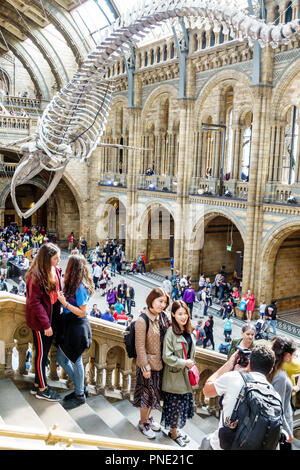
(48, 30)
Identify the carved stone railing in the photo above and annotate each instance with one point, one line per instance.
(7, 169)
(157, 183)
(17, 124)
(108, 368)
(21, 102)
(113, 179)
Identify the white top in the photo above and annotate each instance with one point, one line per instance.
(97, 271)
(201, 281)
(167, 285)
(229, 385)
(262, 308)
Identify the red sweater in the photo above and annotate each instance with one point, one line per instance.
(38, 304)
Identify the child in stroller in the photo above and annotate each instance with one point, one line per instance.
(261, 329)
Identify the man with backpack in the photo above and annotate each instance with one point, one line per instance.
(251, 416)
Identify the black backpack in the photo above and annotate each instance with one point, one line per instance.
(129, 339)
(258, 410)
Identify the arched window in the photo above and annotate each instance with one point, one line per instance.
(172, 51)
(229, 144)
(146, 59)
(246, 153)
(289, 13)
(165, 53)
(203, 43)
(289, 158)
(152, 57)
(158, 55)
(276, 15)
(222, 38)
(212, 39)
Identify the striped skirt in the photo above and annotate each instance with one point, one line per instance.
(147, 391)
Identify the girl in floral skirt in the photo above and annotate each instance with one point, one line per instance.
(177, 390)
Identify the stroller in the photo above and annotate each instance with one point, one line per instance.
(261, 329)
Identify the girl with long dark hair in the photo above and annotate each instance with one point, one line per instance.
(178, 357)
(43, 282)
(284, 349)
(75, 332)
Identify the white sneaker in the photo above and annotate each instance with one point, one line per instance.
(146, 430)
(154, 425)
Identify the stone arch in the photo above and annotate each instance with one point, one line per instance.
(110, 219)
(162, 89)
(155, 233)
(282, 86)
(232, 77)
(272, 263)
(5, 74)
(197, 258)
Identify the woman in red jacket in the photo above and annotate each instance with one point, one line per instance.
(43, 281)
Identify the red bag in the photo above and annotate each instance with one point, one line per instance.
(193, 372)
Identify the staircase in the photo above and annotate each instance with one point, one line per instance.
(97, 417)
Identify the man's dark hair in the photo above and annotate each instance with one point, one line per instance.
(262, 359)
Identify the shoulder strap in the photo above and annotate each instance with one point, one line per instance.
(184, 351)
(145, 317)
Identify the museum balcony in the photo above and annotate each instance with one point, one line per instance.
(12, 127)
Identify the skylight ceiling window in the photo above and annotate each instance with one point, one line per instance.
(92, 17)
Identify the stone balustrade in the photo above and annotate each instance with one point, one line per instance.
(157, 183)
(21, 102)
(7, 169)
(17, 125)
(113, 179)
(108, 368)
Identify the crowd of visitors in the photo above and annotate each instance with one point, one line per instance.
(164, 337)
(19, 248)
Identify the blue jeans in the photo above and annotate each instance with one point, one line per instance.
(221, 293)
(273, 324)
(74, 370)
(113, 268)
(143, 267)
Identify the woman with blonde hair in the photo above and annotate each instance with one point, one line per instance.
(43, 281)
(75, 333)
(178, 357)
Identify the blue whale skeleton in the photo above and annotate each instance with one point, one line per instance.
(74, 121)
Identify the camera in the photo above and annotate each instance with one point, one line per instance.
(243, 356)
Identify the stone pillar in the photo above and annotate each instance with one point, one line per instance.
(184, 171)
(22, 350)
(257, 183)
(100, 378)
(236, 152)
(134, 169)
(8, 361)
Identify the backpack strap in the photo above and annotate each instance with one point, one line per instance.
(145, 317)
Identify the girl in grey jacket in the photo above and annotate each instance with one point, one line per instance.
(177, 391)
(284, 349)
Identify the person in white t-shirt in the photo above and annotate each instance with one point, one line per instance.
(167, 285)
(227, 382)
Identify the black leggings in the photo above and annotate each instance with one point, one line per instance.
(209, 336)
(42, 344)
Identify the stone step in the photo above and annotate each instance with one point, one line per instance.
(118, 423)
(54, 414)
(16, 411)
(90, 422)
(133, 415)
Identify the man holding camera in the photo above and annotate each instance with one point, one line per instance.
(227, 382)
